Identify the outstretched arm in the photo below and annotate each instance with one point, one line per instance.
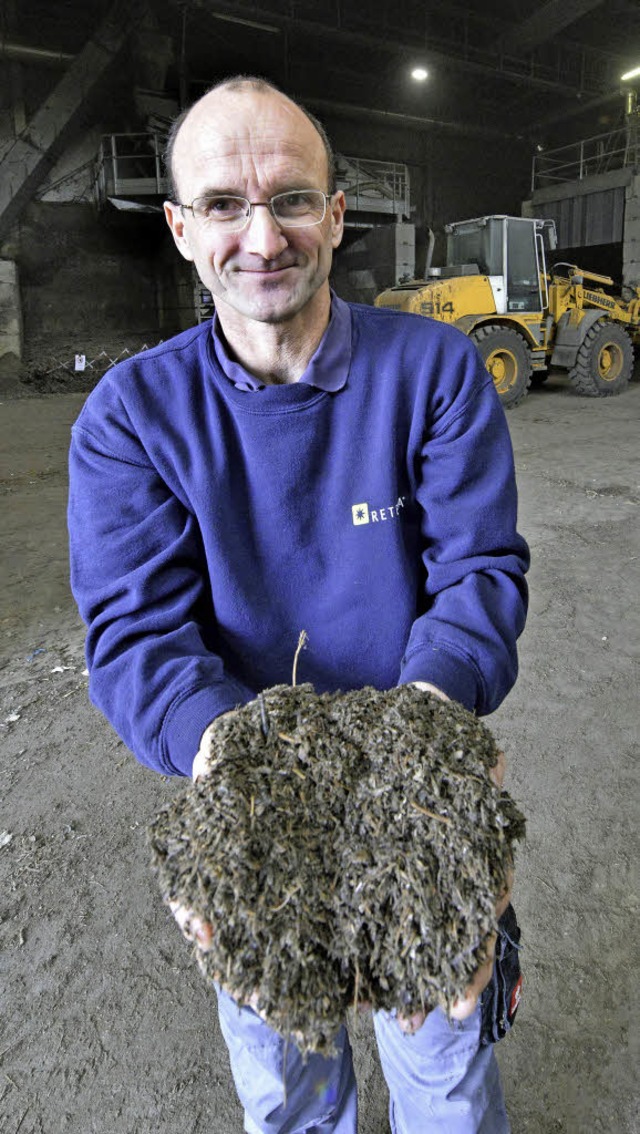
(474, 601)
(139, 577)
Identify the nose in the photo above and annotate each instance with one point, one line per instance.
(263, 234)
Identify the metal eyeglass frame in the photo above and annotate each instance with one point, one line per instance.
(258, 204)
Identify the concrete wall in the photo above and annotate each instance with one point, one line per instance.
(90, 283)
(618, 254)
(10, 325)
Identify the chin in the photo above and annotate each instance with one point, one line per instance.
(274, 308)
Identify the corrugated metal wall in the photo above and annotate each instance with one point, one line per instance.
(591, 218)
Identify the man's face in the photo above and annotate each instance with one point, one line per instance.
(254, 145)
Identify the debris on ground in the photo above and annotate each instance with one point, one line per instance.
(345, 848)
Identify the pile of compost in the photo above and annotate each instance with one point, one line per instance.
(345, 848)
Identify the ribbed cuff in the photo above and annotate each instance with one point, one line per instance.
(455, 675)
(189, 717)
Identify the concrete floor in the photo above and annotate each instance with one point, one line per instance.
(107, 1024)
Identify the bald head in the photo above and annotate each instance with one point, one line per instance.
(246, 141)
(212, 113)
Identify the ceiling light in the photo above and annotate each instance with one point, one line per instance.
(419, 74)
(635, 74)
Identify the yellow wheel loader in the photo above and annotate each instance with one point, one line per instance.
(522, 317)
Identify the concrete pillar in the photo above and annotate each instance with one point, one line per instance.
(631, 236)
(10, 325)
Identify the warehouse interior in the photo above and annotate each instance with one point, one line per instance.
(521, 110)
(530, 100)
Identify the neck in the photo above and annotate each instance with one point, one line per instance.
(276, 353)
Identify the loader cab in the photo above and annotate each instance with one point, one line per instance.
(510, 251)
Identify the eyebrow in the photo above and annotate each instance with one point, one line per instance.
(214, 192)
(211, 192)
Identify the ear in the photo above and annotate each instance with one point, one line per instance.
(175, 219)
(338, 207)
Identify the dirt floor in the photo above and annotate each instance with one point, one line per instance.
(107, 1025)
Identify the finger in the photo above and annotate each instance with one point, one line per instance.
(202, 762)
(427, 687)
(200, 765)
(202, 933)
(253, 1002)
(194, 928)
(181, 914)
(497, 772)
(410, 1024)
(464, 1007)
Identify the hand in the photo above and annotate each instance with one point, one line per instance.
(201, 934)
(466, 1006)
(427, 687)
(461, 1009)
(202, 761)
(192, 926)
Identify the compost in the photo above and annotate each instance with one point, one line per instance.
(345, 848)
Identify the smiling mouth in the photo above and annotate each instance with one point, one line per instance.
(267, 270)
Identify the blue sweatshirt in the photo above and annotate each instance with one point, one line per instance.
(210, 525)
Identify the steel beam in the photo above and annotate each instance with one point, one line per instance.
(29, 158)
(460, 51)
(545, 24)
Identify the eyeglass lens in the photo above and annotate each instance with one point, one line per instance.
(295, 209)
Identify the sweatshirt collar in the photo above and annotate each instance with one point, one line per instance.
(327, 369)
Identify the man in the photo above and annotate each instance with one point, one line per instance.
(302, 464)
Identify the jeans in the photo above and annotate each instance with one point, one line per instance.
(440, 1079)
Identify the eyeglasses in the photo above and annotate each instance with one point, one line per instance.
(299, 208)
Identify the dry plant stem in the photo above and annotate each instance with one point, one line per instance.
(431, 814)
(302, 642)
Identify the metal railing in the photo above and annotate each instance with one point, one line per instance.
(374, 186)
(602, 153)
(130, 165)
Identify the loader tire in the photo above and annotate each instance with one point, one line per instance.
(507, 359)
(604, 362)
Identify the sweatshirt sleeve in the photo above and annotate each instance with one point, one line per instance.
(137, 576)
(475, 596)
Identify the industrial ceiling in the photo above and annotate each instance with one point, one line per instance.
(547, 71)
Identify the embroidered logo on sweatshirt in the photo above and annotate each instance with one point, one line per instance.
(365, 514)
